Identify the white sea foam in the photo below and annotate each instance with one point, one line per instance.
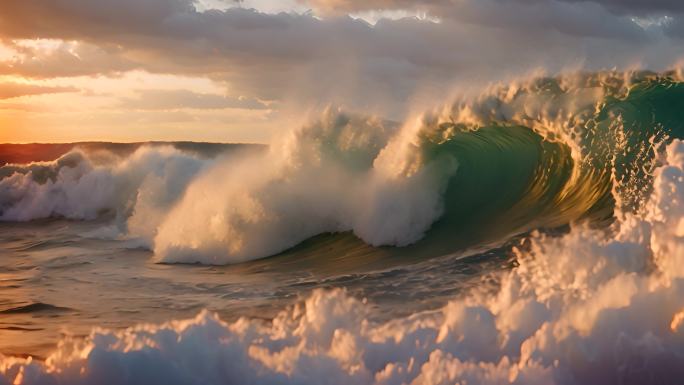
(590, 307)
(341, 173)
(75, 187)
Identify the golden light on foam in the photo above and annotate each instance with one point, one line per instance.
(677, 321)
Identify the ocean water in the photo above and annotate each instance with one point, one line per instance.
(532, 234)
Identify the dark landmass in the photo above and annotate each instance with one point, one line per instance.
(43, 152)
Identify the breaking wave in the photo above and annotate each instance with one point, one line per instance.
(535, 155)
(593, 306)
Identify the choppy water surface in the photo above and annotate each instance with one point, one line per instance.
(56, 282)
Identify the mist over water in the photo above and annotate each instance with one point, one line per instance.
(527, 235)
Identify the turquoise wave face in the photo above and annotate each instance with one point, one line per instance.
(514, 176)
(575, 165)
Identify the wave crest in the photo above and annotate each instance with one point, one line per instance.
(326, 177)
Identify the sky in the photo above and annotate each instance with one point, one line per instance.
(245, 71)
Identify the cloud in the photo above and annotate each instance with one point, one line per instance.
(633, 7)
(72, 19)
(353, 6)
(65, 59)
(16, 90)
(303, 61)
(640, 7)
(578, 19)
(184, 99)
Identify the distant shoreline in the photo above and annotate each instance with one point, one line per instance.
(11, 153)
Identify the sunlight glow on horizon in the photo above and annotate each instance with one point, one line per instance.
(91, 108)
(203, 70)
(50, 102)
